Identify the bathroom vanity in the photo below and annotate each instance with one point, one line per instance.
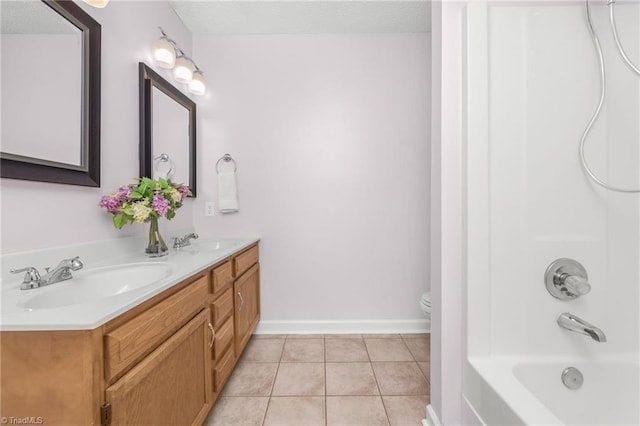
(161, 361)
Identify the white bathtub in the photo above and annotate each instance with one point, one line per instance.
(529, 391)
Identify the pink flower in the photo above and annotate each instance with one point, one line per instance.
(184, 192)
(112, 204)
(160, 204)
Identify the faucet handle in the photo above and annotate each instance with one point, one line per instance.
(31, 275)
(566, 279)
(575, 284)
(75, 263)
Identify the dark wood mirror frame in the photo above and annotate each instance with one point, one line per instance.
(89, 173)
(148, 80)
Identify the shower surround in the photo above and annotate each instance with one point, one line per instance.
(532, 85)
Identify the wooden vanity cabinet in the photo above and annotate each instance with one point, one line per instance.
(163, 362)
(235, 311)
(170, 386)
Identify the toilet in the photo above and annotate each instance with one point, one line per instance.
(425, 304)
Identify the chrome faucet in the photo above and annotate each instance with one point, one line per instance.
(571, 322)
(179, 242)
(62, 272)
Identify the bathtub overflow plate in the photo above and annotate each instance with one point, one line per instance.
(572, 378)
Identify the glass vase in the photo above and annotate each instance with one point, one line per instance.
(156, 246)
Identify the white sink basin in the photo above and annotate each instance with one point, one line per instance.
(96, 284)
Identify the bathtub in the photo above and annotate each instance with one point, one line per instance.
(528, 391)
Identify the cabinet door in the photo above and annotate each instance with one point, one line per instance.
(172, 385)
(247, 303)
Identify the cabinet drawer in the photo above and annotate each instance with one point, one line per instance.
(222, 277)
(223, 370)
(222, 308)
(245, 260)
(131, 341)
(224, 338)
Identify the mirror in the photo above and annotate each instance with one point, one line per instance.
(167, 130)
(50, 93)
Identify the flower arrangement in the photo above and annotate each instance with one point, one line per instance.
(149, 199)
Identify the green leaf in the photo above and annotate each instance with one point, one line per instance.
(119, 220)
(171, 214)
(164, 184)
(135, 195)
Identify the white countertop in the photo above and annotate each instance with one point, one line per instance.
(88, 315)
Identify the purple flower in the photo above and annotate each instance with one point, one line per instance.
(160, 204)
(112, 204)
(184, 192)
(123, 192)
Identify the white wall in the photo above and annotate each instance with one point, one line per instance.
(37, 215)
(447, 245)
(331, 137)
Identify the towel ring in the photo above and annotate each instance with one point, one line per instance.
(226, 158)
(164, 158)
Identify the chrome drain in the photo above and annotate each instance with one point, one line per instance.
(572, 378)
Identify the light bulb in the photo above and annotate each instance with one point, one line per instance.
(197, 85)
(164, 53)
(183, 70)
(97, 3)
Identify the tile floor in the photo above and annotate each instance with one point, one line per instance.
(327, 380)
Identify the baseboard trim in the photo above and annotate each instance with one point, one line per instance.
(432, 418)
(343, 327)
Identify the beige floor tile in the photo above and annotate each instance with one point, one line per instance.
(238, 411)
(303, 350)
(295, 411)
(263, 350)
(400, 378)
(251, 379)
(420, 349)
(269, 336)
(405, 410)
(305, 336)
(351, 378)
(299, 379)
(355, 411)
(381, 349)
(416, 336)
(425, 367)
(382, 336)
(345, 350)
(343, 336)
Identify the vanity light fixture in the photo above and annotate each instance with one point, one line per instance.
(183, 70)
(164, 51)
(197, 85)
(167, 54)
(97, 3)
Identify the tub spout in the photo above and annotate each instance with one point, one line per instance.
(571, 322)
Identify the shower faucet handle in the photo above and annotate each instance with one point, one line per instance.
(574, 284)
(566, 279)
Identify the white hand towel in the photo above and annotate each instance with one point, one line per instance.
(227, 192)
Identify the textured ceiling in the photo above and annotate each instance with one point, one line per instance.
(304, 16)
(32, 17)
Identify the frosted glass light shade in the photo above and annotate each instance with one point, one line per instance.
(197, 85)
(164, 53)
(97, 3)
(183, 70)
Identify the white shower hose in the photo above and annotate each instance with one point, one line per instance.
(633, 67)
